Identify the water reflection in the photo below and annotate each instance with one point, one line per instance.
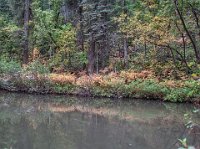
(40, 122)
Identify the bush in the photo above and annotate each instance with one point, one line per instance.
(144, 88)
(33, 83)
(62, 88)
(190, 90)
(36, 67)
(150, 88)
(9, 67)
(62, 79)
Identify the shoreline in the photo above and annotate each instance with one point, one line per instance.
(197, 103)
(103, 87)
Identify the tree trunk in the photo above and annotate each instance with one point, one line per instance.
(145, 50)
(192, 39)
(80, 35)
(26, 31)
(91, 58)
(97, 59)
(66, 11)
(125, 53)
(125, 40)
(196, 18)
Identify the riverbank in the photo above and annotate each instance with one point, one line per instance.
(143, 85)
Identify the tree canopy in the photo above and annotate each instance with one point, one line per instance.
(94, 35)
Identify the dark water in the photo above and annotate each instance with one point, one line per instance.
(60, 122)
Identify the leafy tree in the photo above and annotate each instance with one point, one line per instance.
(102, 33)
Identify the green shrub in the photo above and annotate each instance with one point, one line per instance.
(9, 67)
(65, 88)
(41, 85)
(105, 92)
(36, 67)
(143, 88)
(150, 88)
(189, 91)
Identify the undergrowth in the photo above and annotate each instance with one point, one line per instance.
(126, 84)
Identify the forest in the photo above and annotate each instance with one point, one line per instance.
(108, 48)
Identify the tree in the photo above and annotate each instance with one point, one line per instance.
(26, 31)
(97, 27)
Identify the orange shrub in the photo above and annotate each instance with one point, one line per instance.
(173, 84)
(63, 78)
(131, 75)
(58, 70)
(97, 79)
(81, 73)
(112, 79)
(84, 81)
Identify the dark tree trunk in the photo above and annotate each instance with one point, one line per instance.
(125, 53)
(97, 58)
(81, 32)
(191, 37)
(104, 54)
(66, 11)
(91, 58)
(26, 31)
(184, 60)
(196, 18)
(125, 40)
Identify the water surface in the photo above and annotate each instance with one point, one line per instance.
(61, 122)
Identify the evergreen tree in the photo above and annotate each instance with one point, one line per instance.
(97, 27)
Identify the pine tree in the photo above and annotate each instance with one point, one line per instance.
(97, 26)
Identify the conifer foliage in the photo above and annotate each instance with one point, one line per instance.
(97, 35)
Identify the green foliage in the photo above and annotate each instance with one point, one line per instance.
(184, 144)
(66, 88)
(181, 94)
(36, 67)
(10, 38)
(60, 28)
(59, 39)
(9, 67)
(144, 89)
(34, 83)
(177, 95)
(66, 38)
(67, 56)
(72, 35)
(151, 88)
(44, 31)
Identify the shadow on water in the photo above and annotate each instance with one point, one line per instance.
(60, 122)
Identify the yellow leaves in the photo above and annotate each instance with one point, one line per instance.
(147, 28)
(194, 75)
(160, 28)
(67, 38)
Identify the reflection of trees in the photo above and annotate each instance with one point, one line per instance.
(76, 130)
(6, 134)
(29, 123)
(27, 131)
